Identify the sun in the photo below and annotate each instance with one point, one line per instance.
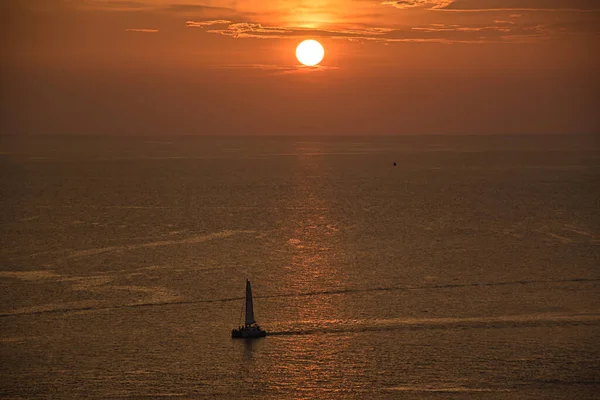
(310, 52)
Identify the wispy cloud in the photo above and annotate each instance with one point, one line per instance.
(263, 67)
(252, 30)
(113, 5)
(303, 69)
(201, 24)
(247, 30)
(496, 5)
(521, 5)
(496, 31)
(190, 8)
(279, 69)
(141, 30)
(428, 4)
(197, 9)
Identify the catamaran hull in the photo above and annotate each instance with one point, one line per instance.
(247, 333)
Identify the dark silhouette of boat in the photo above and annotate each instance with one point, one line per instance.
(250, 329)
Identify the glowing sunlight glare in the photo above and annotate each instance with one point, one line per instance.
(310, 52)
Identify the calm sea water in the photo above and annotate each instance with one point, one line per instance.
(469, 270)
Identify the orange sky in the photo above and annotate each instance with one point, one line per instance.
(229, 67)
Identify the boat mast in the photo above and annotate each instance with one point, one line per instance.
(249, 305)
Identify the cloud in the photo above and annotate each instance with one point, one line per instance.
(259, 31)
(494, 32)
(141, 30)
(280, 69)
(200, 24)
(190, 8)
(457, 28)
(251, 30)
(303, 69)
(525, 5)
(113, 5)
(496, 5)
(428, 4)
(196, 9)
(263, 67)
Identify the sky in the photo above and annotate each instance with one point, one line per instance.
(228, 67)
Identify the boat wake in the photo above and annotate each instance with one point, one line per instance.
(496, 322)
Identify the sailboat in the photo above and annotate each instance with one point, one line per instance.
(250, 328)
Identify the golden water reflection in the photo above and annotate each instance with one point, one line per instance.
(313, 242)
(315, 263)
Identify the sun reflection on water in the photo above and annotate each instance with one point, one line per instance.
(313, 250)
(315, 261)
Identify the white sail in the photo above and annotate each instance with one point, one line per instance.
(249, 306)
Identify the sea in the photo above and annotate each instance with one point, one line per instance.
(408, 267)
